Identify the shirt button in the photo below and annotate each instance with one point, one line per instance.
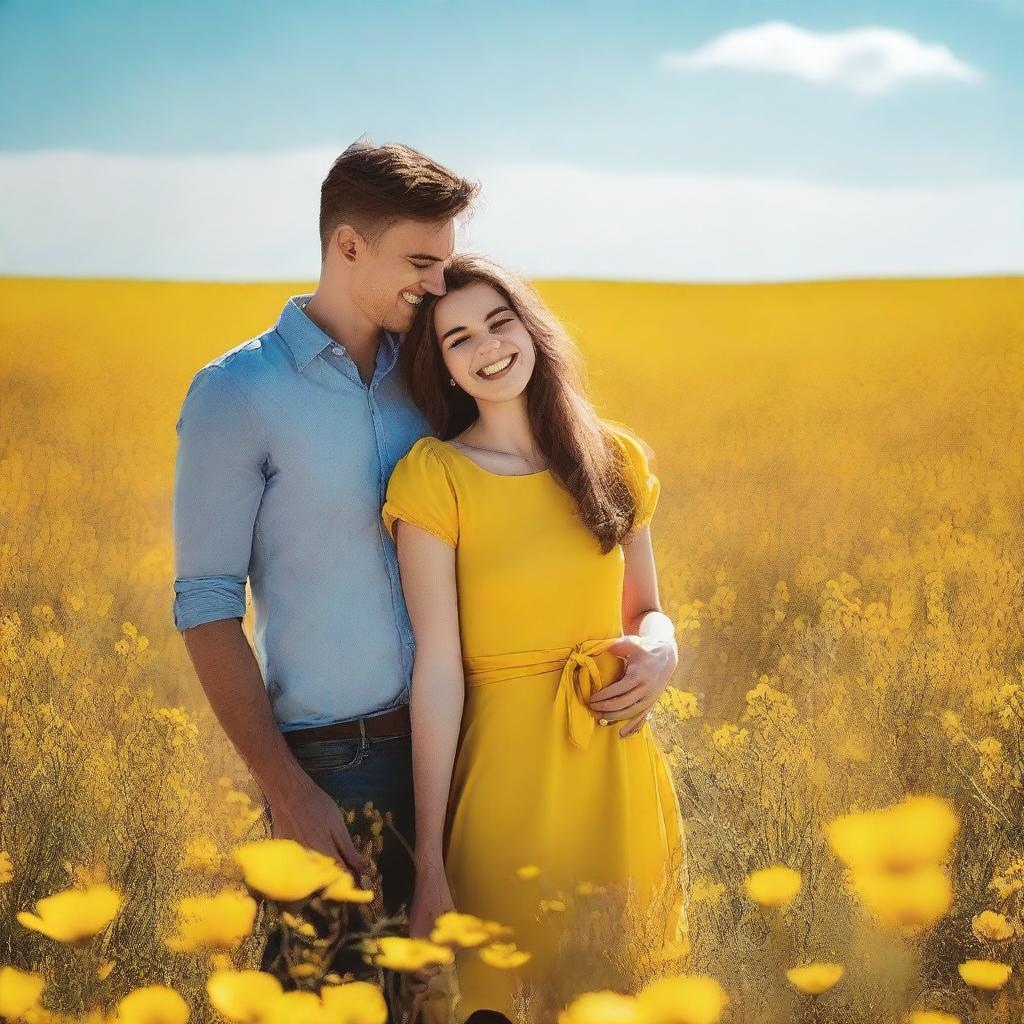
(337, 350)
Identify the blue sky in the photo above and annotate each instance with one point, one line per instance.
(551, 90)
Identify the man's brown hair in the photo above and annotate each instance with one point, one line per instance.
(372, 187)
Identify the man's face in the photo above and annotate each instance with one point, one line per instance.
(390, 279)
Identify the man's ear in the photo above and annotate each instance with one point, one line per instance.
(348, 243)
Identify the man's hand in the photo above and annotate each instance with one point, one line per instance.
(309, 816)
(652, 662)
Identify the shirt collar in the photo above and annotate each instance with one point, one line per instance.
(306, 341)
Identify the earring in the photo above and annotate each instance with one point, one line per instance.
(451, 380)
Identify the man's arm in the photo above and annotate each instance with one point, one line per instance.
(218, 487)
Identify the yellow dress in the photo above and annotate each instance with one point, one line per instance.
(536, 780)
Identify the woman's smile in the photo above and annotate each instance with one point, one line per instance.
(498, 368)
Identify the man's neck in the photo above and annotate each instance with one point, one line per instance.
(342, 322)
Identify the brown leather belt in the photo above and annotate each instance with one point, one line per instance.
(392, 723)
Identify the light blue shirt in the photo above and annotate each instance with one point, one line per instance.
(284, 455)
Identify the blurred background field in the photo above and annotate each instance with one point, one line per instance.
(839, 539)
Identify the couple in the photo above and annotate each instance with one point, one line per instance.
(456, 604)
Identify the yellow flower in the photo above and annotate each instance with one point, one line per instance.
(74, 916)
(528, 872)
(297, 924)
(985, 974)
(19, 992)
(907, 835)
(459, 929)
(6, 867)
(298, 1008)
(919, 897)
(242, 996)
(684, 999)
(602, 1008)
(551, 905)
(154, 1004)
(356, 1002)
(285, 870)
(990, 925)
(213, 922)
(401, 954)
(344, 890)
(504, 955)
(200, 855)
(773, 887)
(813, 979)
(705, 890)
(933, 1017)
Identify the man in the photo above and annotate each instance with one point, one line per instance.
(286, 444)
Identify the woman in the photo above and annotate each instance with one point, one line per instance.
(525, 556)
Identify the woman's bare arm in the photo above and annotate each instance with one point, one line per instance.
(427, 567)
(653, 657)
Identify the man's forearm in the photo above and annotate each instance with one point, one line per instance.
(231, 678)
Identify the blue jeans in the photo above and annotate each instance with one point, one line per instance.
(352, 772)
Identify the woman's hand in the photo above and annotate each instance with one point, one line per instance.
(431, 898)
(652, 661)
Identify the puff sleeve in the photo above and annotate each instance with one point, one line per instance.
(646, 487)
(421, 492)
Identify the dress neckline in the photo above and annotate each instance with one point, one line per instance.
(488, 472)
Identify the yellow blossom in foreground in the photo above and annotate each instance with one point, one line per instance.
(242, 996)
(6, 867)
(285, 870)
(459, 929)
(907, 835)
(356, 1002)
(985, 974)
(773, 887)
(990, 925)
(401, 954)
(528, 872)
(933, 1017)
(504, 955)
(603, 1008)
(74, 916)
(684, 999)
(919, 897)
(298, 1008)
(154, 1004)
(213, 922)
(19, 991)
(344, 890)
(813, 979)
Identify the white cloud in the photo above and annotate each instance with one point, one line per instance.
(872, 59)
(254, 218)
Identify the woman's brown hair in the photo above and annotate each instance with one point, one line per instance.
(581, 449)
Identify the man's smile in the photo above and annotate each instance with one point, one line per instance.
(412, 298)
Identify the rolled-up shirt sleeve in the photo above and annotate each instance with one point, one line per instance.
(218, 485)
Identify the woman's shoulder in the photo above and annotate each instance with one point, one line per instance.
(427, 450)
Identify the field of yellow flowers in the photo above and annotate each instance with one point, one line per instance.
(840, 540)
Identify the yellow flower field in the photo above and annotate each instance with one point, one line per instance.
(841, 543)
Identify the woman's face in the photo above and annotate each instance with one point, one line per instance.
(478, 330)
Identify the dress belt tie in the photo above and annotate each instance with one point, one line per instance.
(585, 668)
